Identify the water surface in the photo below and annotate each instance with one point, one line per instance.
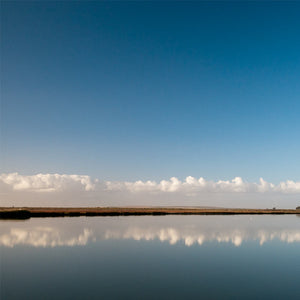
(147, 257)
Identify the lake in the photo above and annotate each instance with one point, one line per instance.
(151, 257)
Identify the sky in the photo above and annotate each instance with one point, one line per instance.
(126, 92)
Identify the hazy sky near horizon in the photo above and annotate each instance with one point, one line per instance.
(128, 91)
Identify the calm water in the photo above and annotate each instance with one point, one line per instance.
(165, 257)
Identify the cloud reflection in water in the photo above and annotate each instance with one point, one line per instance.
(188, 230)
(43, 237)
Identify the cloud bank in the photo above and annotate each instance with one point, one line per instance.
(191, 186)
(47, 182)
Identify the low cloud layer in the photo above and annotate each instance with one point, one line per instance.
(47, 182)
(190, 186)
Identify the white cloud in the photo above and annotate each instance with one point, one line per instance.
(47, 182)
(192, 185)
(290, 186)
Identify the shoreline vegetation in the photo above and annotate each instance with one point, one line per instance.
(41, 212)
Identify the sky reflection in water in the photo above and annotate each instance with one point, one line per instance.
(147, 257)
(189, 230)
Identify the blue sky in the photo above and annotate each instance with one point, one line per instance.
(147, 90)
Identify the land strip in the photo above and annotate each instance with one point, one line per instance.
(31, 212)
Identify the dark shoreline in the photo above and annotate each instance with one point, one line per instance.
(41, 212)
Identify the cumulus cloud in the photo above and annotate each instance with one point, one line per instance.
(192, 185)
(47, 182)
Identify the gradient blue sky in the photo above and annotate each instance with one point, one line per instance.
(150, 90)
